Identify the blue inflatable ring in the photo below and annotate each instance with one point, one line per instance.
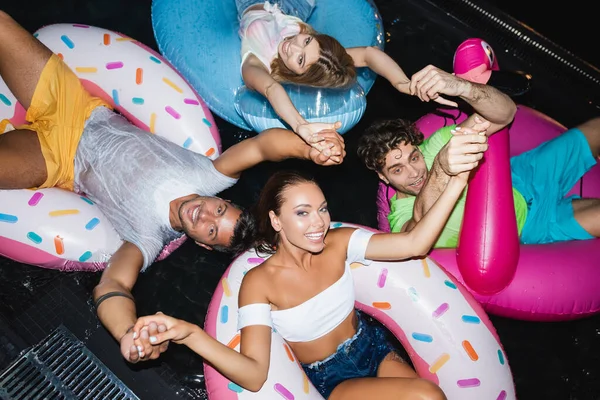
(200, 39)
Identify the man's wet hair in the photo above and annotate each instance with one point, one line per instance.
(244, 233)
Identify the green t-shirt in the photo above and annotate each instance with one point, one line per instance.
(401, 210)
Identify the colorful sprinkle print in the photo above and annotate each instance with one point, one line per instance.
(471, 319)
(92, 224)
(5, 100)
(224, 314)
(87, 200)
(85, 256)
(234, 388)
(191, 101)
(139, 76)
(450, 284)
(34, 237)
(382, 277)
(468, 383)
(422, 337)
(441, 310)
(470, 351)
(171, 84)
(115, 97)
(171, 111)
(67, 41)
(289, 353)
(114, 65)
(426, 270)
(35, 199)
(413, 294)
(286, 394)
(439, 363)
(9, 219)
(500, 357)
(234, 342)
(61, 213)
(153, 123)
(225, 285)
(382, 305)
(59, 245)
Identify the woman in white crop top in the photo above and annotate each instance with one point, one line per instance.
(305, 291)
(278, 46)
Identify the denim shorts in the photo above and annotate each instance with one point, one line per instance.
(543, 176)
(357, 357)
(296, 8)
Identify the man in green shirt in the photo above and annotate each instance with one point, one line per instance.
(419, 169)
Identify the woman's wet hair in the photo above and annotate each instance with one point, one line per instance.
(272, 198)
(333, 69)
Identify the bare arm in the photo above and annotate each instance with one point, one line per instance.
(487, 101)
(247, 368)
(494, 110)
(417, 242)
(277, 144)
(462, 153)
(118, 313)
(433, 188)
(383, 65)
(257, 77)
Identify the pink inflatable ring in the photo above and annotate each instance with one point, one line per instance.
(547, 282)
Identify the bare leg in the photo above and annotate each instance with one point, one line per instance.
(396, 380)
(587, 213)
(22, 165)
(22, 59)
(394, 366)
(591, 130)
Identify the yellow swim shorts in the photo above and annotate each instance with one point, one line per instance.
(58, 111)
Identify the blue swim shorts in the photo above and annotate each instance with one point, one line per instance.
(544, 175)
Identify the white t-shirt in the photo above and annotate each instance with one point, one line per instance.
(132, 176)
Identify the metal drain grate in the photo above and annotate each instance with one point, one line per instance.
(61, 367)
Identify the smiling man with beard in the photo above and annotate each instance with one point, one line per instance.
(418, 169)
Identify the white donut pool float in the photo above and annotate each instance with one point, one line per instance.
(55, 228)
(445, 331)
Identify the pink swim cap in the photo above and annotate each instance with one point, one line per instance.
(475, 60)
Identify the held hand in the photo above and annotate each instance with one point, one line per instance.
(480, 126)
(334, 151)
(138, 348)
(463, 152)
(176, 330)
(431, 82)
(310, 133)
